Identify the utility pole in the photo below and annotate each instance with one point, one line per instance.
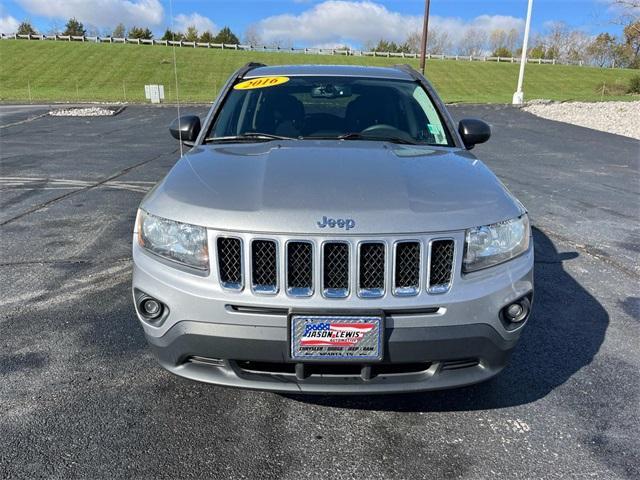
(518, 96)
(425, 31)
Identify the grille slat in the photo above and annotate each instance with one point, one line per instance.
(300, 268)
(336, 269)
(371, 271)
(264, 266)
(230, 262)
(440, 267)
(407, 268)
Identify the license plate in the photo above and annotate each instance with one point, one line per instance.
(336, 337)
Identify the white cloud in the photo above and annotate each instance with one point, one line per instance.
(8, 24)
(364, 21)
(202, 24)
(100, 13)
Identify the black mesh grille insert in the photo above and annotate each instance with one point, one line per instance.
(441, 263)
(299, 265)
(407, 265)
(371, 273)
(336, 266)
(264, 264)
(229, 261)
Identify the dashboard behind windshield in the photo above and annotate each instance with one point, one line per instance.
(326, 107)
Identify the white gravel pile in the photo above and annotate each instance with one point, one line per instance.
(82, 112)
(621, 118)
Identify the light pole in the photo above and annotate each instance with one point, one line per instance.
(518, 96)
(425, 31)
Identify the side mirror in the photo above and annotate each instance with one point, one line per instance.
(185, 128)
(473, 131)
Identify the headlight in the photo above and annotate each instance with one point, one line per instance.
(180, 242)
(493, 244)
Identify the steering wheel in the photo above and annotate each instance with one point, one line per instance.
(385, 130)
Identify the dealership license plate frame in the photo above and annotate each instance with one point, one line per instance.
(377, 317)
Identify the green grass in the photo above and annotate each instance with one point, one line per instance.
(61, 71)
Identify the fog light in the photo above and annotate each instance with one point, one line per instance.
(514, 310)
(151, 308)
(517, 311)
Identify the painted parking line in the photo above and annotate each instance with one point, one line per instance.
(43, 183)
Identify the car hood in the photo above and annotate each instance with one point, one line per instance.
(288, 186)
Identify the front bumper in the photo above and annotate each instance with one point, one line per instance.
(431, 341)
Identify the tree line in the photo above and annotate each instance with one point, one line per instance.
(558, 42)
(75, 28)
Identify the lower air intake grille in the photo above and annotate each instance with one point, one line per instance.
(440, 266)
(230, 262)
(264, 266)
(300, 268)
(371, 270)
(336, 269)
(407, 270)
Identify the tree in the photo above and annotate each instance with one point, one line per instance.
(497, 40)
(413, 42)
(118, 32)
(502, 52)
(75, 28)
(252, 36)
(169, 35)
(472, 43)
(537, 51)
(25, 28)
(191, 35)
(226, 36)
(513, 40)
(207, 37)
(632, 43)
(602, 50)
(439, 42)
(139, 32)
(576, 46)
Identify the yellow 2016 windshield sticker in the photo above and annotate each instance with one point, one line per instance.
(262, 82)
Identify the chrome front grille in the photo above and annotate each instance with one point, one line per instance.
(440, 264)
(264, 266)
(406, 277)
(336, 268)
(371, 269)
(229, 251)
(299, 263)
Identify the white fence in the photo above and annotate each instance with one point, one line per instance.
(316, 51)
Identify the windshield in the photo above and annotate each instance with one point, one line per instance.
(328, 108)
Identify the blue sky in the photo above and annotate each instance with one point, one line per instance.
(310, 22)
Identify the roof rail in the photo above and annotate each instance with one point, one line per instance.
(248, 67)
(405, 67)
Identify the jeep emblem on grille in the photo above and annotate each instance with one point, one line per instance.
(346, 223)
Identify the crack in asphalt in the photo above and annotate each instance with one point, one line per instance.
(84, 189)
(26, 120)
(71, 261)
(590, 250)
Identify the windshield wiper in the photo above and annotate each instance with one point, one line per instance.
(248, 136)
(360, 136)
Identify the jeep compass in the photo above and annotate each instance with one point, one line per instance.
(329, 231)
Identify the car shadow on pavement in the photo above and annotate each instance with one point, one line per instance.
(563, 335)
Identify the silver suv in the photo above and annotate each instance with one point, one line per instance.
(329, 232)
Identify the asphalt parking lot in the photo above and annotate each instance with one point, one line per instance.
(81, 396)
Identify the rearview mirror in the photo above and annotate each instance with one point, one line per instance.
(185, 128)
(331, 91)
(473, 131)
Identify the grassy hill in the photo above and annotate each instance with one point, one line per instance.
(62, 71)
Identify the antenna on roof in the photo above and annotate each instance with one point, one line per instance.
(175, 74)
